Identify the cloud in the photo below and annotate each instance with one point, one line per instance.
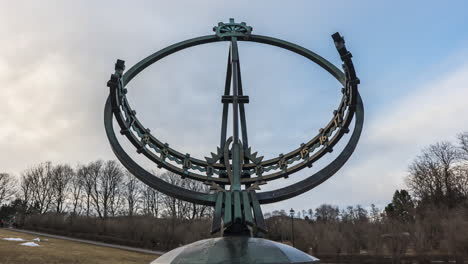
(55, 58)
(433, 111)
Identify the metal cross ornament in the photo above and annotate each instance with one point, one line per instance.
(233, 171)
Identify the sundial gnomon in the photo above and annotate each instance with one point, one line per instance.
(234, 170)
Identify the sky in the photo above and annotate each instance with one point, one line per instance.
(411, 58)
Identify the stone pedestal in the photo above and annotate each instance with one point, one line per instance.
(235, 250)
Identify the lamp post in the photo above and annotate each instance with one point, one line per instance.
(291, 213)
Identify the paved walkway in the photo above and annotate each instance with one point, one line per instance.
(141, 250)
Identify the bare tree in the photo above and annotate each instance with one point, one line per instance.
(198, 210)
(461, 169)
(180, 209)
(460, 172)
(7, 187)
(327, 213)
(90, 174)
(26, 188)
(132, 193)
(305, 214)
(37, 186)
(112, 185)
(354, 220)
(175, 208)
(78, 183)
(93, 187)
(463, 144)
(310, 212)
(375, 214)
(431, 176)
(354, 214)
(62, 174)
(151, 201)
(105, 180)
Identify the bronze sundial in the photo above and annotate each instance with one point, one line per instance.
(234, 170)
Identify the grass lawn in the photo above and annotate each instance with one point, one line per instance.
(62, 251)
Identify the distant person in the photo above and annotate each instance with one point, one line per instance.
(2, 223)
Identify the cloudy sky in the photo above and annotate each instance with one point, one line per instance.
(411, 57)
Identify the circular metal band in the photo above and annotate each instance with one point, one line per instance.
(288, 158)
(351, 102)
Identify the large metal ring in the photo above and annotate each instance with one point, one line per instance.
(351, 102)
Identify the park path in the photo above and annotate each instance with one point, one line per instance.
(96, 243)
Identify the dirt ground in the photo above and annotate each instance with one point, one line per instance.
(62, 251)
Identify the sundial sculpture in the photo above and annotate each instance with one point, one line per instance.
(233, 170)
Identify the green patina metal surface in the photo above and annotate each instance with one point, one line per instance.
(247, 208)
(236, 250)
(234, 172)
(228, 209)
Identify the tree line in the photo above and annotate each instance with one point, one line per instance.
(101, 188)
(426, 222)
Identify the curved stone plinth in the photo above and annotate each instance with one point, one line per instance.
(235, 250)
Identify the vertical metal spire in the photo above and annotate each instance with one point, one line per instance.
(237, 99)
(236, 153)
(227, 90)
(235, 92)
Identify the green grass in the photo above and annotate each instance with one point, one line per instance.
(63, 251)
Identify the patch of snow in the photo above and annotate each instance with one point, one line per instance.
(30, 244)
(14, 239)
(37, 239)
